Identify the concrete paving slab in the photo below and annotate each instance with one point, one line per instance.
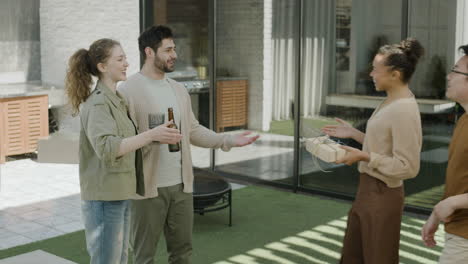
(34, 257)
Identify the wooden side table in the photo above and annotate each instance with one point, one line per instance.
(23, 120)
(231, 103)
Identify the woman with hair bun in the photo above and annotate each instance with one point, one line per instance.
(110, 160)
(390, 154)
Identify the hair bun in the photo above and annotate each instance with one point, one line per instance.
(412, 48)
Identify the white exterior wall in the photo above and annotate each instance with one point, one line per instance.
(69, 25)
(461, 28)
(267, 100)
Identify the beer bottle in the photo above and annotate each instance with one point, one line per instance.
(172, 147)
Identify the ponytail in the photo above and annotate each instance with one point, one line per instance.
(82, 65)
(78, 79)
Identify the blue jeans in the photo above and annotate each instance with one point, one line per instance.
(107, 227)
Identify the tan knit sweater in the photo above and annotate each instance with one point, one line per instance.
(192, 131)
(393, 139)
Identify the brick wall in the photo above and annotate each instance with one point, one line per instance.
(240, 48)
(19, 41)
(69, 25)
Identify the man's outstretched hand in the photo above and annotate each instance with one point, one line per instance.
(241, 140)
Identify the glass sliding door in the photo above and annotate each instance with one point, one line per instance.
(340, 39)
(336, 83)
(256, 68)
(259, 74)
(432, 23)
(189, 20)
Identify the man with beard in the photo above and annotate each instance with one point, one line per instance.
(453, 209)
(168, 203)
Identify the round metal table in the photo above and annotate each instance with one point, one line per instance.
(211, 193)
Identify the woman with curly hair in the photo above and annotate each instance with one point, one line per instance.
(390, 154)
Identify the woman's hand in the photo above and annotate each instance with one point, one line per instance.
(342, 130)
(353, 155)
(164, 134)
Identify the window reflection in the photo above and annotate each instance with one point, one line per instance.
(189, 21)
(256, 57)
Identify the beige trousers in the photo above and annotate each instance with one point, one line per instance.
(455, 250)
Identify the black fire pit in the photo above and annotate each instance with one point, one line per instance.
(211, 193)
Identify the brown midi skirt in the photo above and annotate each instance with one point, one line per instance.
(373, 230)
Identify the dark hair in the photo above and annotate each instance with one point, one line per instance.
(152, 37)
(464, 48)
(81, 65)
(403, 57)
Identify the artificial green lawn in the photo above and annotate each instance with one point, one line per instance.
(261, 216)
(286, 127)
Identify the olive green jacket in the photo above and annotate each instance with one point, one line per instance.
(104, 124)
